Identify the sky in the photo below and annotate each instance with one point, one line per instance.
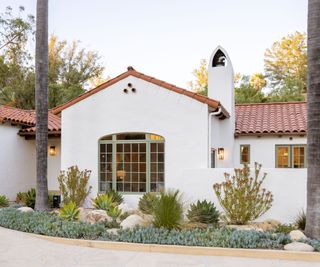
(167, 39)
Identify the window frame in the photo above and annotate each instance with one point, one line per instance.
(291, 155)
(249, 152)
(148, 141)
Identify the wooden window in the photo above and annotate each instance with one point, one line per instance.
(213, 158)
(290, 156)
(245, 154)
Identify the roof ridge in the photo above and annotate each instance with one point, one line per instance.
(271, 103)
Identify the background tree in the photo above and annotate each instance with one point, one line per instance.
(313, 134)
(200, 84)
(42, 105)
(248, 89)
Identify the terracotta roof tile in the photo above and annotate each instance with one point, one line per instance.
(210, 102)
(271, 118)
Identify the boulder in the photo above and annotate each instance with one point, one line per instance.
(298, 246)
(94, 216)
(126, 208)
(132, 221)
(296, 235)
(25, 209)
(267, 225)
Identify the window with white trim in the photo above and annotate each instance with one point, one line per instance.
(291, 156)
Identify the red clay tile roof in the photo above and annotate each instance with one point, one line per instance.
(271, 118)
(203, 99)
(27, 118)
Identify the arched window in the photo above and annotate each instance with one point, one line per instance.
(219, 59)
(131, 162)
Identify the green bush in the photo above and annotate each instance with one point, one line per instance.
(203, 212)
(115, 196)
(21, 197)
(147, 202)
(4, 201)
(242, 197)
(284, 228)
(168, 210)
(30, 198)
(70, 212)
(300, 220)
(114, 212)
(103, 202)
(73, 185)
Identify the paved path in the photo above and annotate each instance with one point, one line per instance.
(19, 249)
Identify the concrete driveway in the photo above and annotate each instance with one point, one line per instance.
(20, 249)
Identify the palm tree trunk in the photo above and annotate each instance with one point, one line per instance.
(313, 184)
(42, 104)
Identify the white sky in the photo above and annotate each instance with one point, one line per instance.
(166, 39)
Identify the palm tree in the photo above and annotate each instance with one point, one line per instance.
(42, 104)
(313, 184)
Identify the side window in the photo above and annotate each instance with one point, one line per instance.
(299, 156)
(245, 154)
(213, 158)
(291, 156)
(282, 156)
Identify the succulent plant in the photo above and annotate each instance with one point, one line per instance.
(114, 212)
(147, 202)
(203, 212)
(30, 198)
(70, 212)
(103, 202)
(115, 196)
(4, 201)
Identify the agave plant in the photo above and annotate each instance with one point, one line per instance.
(115, 196)
(300, 220)
(147, 202)
(103, 202)
(70, 212)
(30, 198)
(203, 212)
(21, 197)
(114, 212)
(4, 201)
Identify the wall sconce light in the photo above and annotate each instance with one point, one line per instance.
(52, 151)
(221, 153)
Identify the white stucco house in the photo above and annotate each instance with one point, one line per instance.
(139, 134)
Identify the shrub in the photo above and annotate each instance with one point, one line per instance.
(300, 220)
(70, 212)
(242, 197)
(4, 201)
(103, 202)
(21, 197)
(114, 212)
(147, 202)
(284, 228)
(73, 185)
(30, 198)
(203, 212)
(115, 196)
(168, 210)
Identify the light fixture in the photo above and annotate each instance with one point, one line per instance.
(52, 151)
(221, 153)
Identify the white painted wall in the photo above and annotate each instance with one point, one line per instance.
(182, 121)
(18, 162)
(262, 149)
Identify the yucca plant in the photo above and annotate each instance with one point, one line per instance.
(4, 201)
(115, 196)
(70, 212)
(168, 210)
(300, 220)
(147, 202)
(203, 212)
(114, 212)
(30, 198)
(103, 202)
(21, 197)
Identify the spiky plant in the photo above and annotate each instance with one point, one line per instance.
(21, 197)
(103, 202)
(4, 201)
(115, 196)
(203, 212)
(31, 198)
(168, 210)
(114, 212)
(70, 212)
(300, 220)
(147, 202)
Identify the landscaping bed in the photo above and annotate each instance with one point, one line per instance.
(50, 224)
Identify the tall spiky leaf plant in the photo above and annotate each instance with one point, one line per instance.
(70, 212)
(168, 210)
(242, 196)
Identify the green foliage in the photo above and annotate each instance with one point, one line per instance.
(30, 198)
(288, 90)
(52, 225)
(70, 212)
(103, 202)
(73, 185)
(114, 212)
(4, 201)
(115, 196)
(284, 228)
(123, 216)
(242, 197)
(203, 212)
(168, 210)
(21, 197)
(300, 220)
(147, 202)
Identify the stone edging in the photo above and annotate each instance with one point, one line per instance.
(188, 250)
